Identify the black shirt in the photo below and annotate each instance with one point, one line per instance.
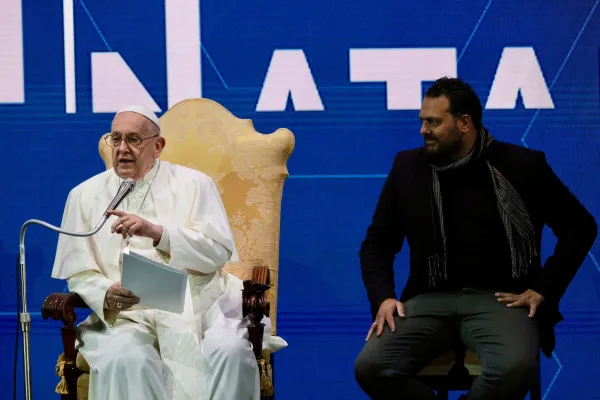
(477, 244)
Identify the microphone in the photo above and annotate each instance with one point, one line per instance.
(126, 187)
(24, 317)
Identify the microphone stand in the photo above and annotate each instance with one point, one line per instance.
(24, 316)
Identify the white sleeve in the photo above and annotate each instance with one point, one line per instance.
(92, 287)
(74, 261)
(164, 244)
(73, 254)
(207, 243)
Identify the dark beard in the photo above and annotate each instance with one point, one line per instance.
(445, 153)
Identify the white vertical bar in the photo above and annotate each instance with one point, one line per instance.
(12, 81)
(69, 42)
(182, 27)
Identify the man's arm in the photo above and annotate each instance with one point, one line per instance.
(92, 287)
(573, 226)
(73, 254)
(208, 243)
(75, 263)
(383, 241)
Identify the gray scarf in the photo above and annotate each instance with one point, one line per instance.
(514, 215)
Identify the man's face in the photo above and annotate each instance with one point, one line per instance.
(443, 139)
(130, 161)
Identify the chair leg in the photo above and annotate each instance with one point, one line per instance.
(70, 371)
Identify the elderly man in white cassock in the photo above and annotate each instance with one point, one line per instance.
(174, 216)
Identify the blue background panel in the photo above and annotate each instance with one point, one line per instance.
(341, 158)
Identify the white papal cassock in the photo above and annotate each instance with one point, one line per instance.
(150, 354)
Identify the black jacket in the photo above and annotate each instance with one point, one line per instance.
(403, 211)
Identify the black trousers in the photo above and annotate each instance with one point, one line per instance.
(505, 339)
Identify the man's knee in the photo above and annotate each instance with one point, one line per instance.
(137, 359)
(236, 347)
(233, 349)
(512, 368)
(367, 367)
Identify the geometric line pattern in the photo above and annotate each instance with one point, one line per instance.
(474, 31)
(93, 21)
(560, 366)
(214, 66)
(594, 261)
(560, 69)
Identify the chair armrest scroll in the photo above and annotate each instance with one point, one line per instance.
(61, 306)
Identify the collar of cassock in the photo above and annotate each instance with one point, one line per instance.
(147, 178)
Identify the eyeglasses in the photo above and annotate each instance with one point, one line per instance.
(114, 140)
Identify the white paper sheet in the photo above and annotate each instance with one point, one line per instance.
(157, 285)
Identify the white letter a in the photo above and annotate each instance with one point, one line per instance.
(289, 74)
(519, 70)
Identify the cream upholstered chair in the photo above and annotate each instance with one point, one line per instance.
(249, 169)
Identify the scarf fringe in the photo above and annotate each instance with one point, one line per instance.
(522, 255)
(437, 269)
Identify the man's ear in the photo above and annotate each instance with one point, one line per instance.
(465, 123)
(160, 145)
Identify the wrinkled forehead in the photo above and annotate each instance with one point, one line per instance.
(129, 122)
(434, 107)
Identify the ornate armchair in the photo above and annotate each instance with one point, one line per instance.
(249, 170)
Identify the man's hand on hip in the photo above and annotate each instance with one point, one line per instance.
(120, 299)
(528, 298)
(130, 224)
(386, 314)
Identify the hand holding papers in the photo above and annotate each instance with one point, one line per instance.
(157, 285)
